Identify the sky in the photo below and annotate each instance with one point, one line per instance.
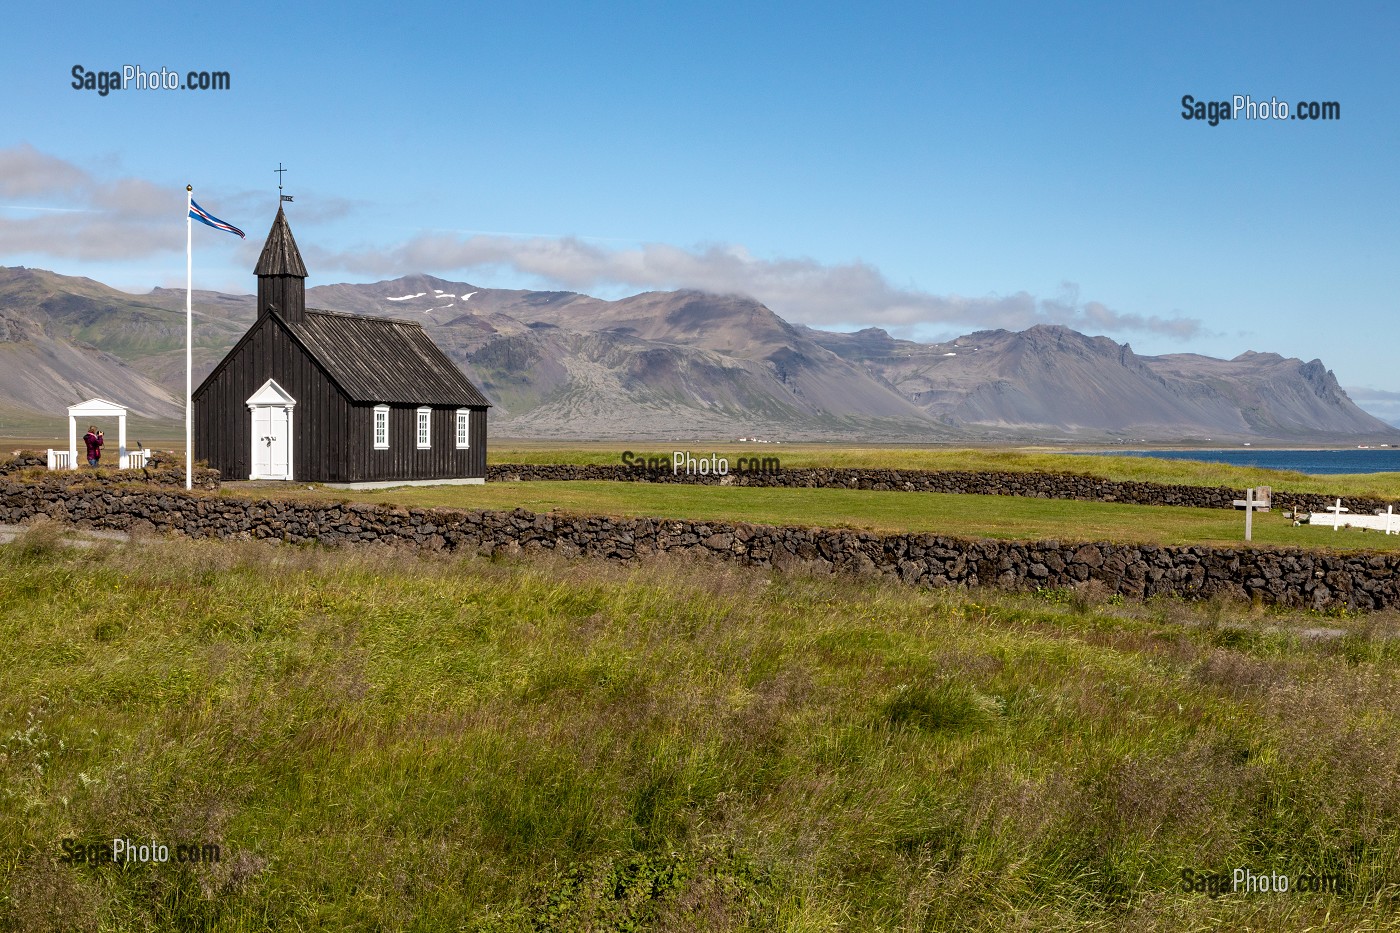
(928, 168)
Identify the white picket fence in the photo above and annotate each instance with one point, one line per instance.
(63, 460)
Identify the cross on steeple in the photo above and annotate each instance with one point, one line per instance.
(280, 196)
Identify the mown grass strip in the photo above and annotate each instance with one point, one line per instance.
(1137, 469)
(870, 510)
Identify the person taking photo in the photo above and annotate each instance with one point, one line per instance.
(93, 439)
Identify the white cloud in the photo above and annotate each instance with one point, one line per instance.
(26, 172)
(88, 218)
(1384, 404)
(801, 290)
(82, 217)
(52, 207)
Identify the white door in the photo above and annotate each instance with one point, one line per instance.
(272, 441)
(272, 409)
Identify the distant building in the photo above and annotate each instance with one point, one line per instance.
(323, 396)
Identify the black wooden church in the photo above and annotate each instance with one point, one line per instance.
(323, 396)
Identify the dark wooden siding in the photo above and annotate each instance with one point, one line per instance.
(332, 439)
(403, 459)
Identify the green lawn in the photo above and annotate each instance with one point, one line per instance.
(965, 516)
(378, 740)
(1148, 469)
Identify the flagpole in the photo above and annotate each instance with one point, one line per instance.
(189, 336)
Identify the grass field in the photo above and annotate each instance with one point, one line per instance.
(379, 740)
(965, 516)
(39, 433)
(1148, 469)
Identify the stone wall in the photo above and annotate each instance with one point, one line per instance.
(1293, 577)
(1030, 485)
(23, 460)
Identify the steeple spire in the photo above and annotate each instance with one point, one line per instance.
(281, 273)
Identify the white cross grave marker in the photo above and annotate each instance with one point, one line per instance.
(1337, 511)
(1249, 514)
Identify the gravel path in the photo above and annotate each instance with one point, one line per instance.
(84, 537)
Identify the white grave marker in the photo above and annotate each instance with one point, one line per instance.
(1337, 511)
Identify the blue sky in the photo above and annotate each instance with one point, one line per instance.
(926, 168)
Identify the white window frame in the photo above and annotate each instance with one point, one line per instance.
(424, 429)
(378, 444)
(464, 428)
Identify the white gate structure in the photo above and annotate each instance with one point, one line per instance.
(95, 408)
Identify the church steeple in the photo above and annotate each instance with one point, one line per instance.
(281, 274)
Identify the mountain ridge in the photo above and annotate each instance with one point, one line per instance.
(687, 364)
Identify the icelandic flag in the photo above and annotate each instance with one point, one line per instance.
(204, 217)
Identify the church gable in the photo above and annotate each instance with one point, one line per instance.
(273, 343)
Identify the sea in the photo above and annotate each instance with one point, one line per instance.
(1345, 460)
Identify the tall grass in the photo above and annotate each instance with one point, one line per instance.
(379, 740)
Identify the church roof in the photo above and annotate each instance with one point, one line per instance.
(377, 359)
(280, 255)
(371, 359)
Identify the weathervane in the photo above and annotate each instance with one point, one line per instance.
(280, 196)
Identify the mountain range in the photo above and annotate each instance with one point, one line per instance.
(689, 365)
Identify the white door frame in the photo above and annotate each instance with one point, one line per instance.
(270, 395)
